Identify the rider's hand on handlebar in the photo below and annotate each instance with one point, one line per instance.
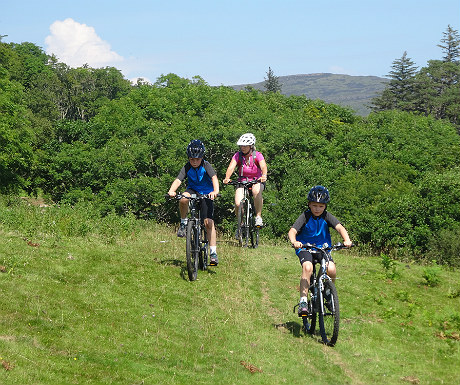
(263, 178)
(226, 180)
(171, 193)
(213, 194)
(348, 243)
(297, 244)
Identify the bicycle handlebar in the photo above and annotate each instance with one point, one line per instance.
(192, 196)
(326, 247)
(245, 183)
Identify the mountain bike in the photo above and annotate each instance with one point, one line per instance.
(247, 230)
(197, 244)
(324, 300)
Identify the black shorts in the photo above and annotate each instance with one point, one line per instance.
(207, 206)
(306, 256)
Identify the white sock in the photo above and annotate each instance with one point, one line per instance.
(184, 221)
(303, 299)
(213, 249)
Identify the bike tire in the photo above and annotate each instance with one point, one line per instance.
(242, 225)
(254, 236)
(329, 315)
(191, 251)
(204, 249)
(309, 323)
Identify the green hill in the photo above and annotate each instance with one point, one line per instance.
(107, 301)
(355, 92)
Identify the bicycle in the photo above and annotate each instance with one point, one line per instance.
(197, 244)
(247, 230)
(324, 300)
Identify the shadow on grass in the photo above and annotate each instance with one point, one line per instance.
(293, 327)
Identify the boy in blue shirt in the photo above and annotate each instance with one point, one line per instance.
(312, 226)
(202, 179)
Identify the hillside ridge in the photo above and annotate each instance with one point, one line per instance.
(355, 92)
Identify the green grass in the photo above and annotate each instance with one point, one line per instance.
(111, 304)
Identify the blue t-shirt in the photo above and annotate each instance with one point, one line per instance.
(314, 230)
(198, 179)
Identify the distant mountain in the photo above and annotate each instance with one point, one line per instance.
(355, 92)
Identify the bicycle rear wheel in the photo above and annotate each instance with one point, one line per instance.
(329, 317)
(253, 230)
(192, 251)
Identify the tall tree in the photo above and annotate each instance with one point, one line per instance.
(400, 91)
(449, 44)
(272, 83)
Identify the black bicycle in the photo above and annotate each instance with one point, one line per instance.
(197, 245)
(324, 300)
(247, 229)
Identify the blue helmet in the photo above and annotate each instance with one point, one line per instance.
(319, 194)
(196, 149)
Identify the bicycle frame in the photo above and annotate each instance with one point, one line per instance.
(246, 225)
(324, 300)
(197, 245)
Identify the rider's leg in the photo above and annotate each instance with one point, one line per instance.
(258, 199)
(183, 206)
(331, 271)
(307, 269)
(238, 196)
(211, 232)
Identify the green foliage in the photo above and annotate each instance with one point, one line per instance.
(390, 267)
(393, 177)
(431, 274)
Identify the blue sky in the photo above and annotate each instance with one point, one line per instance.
(234, 41)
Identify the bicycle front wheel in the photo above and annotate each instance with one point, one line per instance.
(204, 249)
(243, 228)
(192, 251)
(329, 315)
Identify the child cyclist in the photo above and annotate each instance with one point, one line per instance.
(202, 179)
(312, 226)
(251, 166)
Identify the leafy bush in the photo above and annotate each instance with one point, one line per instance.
(431, 274)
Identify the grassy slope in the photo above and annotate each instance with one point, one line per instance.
(81, 310)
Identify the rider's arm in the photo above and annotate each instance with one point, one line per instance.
(215, 186)
(263, 168)
(174, 186)
(344, 234)
(230, 169)
(292, 238)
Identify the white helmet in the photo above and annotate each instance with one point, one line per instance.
(247, 140)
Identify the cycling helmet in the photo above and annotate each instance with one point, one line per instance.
(195, 149)
(318, 194)
(246, 140)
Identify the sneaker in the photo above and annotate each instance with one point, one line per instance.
(214, 261)
(303, 309)
(182, 230)
(259, 222)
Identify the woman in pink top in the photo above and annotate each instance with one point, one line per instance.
(251, 165)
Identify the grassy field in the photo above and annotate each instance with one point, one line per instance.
(85, 301)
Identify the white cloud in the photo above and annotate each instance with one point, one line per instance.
(76, 44)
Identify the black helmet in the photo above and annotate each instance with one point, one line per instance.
(195, 149)
(318, 194)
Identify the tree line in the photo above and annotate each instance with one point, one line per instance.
(433, 90)
(88, 135)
